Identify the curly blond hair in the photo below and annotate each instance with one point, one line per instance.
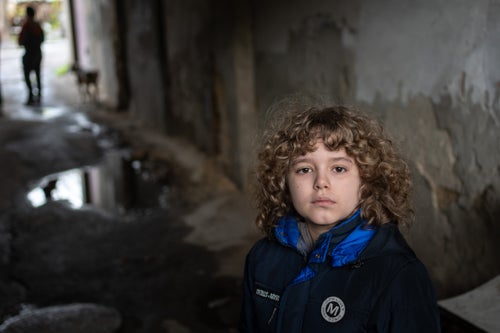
(385, 193)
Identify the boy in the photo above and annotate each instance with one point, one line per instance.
(332, 193)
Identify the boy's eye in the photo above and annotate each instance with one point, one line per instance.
(339, 169)
(303, 170)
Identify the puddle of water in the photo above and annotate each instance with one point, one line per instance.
(68, 186)
(117, 185)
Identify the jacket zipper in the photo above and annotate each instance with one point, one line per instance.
(275, 309)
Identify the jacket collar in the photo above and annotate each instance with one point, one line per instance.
(344, 242)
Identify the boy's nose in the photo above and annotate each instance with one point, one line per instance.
(321, 182)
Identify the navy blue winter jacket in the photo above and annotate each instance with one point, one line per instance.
(356, 279)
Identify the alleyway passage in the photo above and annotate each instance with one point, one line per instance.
(157, 237)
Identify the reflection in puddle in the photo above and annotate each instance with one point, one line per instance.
(67, 186)
(116, 185)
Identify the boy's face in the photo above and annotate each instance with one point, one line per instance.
(324, 186)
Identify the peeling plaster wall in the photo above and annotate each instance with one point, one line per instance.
(444, 40)
(299, 48)
(428, 70)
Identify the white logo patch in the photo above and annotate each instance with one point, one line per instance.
(267, 294)
(333, 309)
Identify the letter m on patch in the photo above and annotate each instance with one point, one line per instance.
(333, 309)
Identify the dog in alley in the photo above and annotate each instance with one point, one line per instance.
(87, 81)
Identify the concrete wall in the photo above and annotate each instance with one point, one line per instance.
(124, 37)
(428, 69)
(211, 79)
(95, 28)
(304, 47)
(144, 56)
(207, 70)
(189, 58)
(234, 86)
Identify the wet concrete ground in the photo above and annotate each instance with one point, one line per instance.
(158, 234)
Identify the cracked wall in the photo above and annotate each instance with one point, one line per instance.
(428, 70)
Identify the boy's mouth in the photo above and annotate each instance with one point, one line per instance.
(323, 201)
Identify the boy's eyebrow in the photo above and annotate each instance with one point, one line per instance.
(333, 159)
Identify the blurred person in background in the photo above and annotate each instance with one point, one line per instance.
(32, 37)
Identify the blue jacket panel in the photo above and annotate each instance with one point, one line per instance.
(385, 289)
